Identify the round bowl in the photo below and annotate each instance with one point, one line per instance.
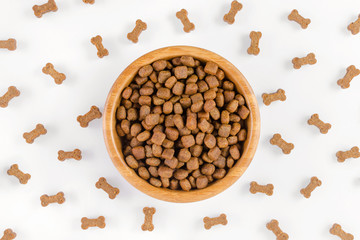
(113, 143)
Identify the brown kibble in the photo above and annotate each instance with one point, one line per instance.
(281, 143)
(220, 162)
(97, 41)
(210, 222)
(139, 27)
(9, 44)
(351, 72)
(50, 70)
(191, 120)
(187, 61)
(145, 71)
(127, 92)
(95, 222)
(273, 226)
(145, 100)
(209, 105)
(168, 153)
(222, 142)
(235, 8)
(192, 79)
(132, 114)
(185, 185)
(171, 162)
(94, 113)
(314, 182)
(296, 17)
(170, 82)
(76, 154)
(220, 101)
(184, 155)
(337, 230)
(242, 135)
(168, 144)
(191, 88)
(15, 171)
(152, 119)
(354, 152)
(214, 153)
(192, 181)
(200, 72)
(224, 130)
(354, 27)
(153, 171)
(10, 94)
(163, 76)
(234, 118)
(39, 10)
(208, 169)
(234, 152)
(211, 68)
(192, 164)
(138, 152)
(165, 182)
(153, 162)
(225, 117)
(196, 150)
(188, 141)
(110, 190)
(155, 182)
(256, 188)
(202, 182)
(58, 198)
(232, 106)
(38, 131)
(163, 93)
(8, 235)
(183, 16)
(140, 80)
(143, 173)
(323, 127)
(178, 108)
(172, 133)
(146, 91)
(181, 72)
(210, 94)
(228, 95)
(244, 112)
(165, 172)
(174, 184)
(219, 173)
(299, 62)
(181, 174)
(159, 65)
(212, 82)
(210, 141)
(142, 137)
(178, 89)
(269, 98)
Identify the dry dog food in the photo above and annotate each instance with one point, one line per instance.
(273, 226)
(235, 8)
(296, 17)
(94, 222)
(314, 183)
(299, 62)
(352, 153)
(351, 72)
(148, 221)
(256, 188)
(354, 27)
(254, 47)
(58, 198)
(139, 27)
(110, 190)
(337, 231)
(210, 222)
(182, 123)
(10, 94)
(279, 95)
(183, 16)
(8, 235)
(37, 132)
(281, 143)
(50, 6)
(50, 70)
(323, 127)
(15, 171)
(9, 44)
(89, 1)
(101, 51)
(94, 113)
(76, 154)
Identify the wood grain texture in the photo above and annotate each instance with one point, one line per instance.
(113, 143)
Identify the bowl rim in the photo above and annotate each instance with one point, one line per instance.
(113, 144)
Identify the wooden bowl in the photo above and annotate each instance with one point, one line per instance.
(113, 143)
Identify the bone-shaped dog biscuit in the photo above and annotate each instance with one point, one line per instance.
(8, 235)
(148, 220)
(210, 222)
(95, 222)
(139, 27)
(281, 143)
(352, 153)
(97, 41)
(183, 16)
(272, 97)
(15, 171)
(88, 117)
(254, 47)
(273, 226)
(58, 198)
(338, 231)
(50, 6)
(295, 16)
(9, 44)
(76, 154)
(267, 189)
(31, 136)
(110, 190)
(10, 94)
(354, 27)
(351, 72)
(314, 182)
(299, 62)
(235, 8)
(323, 127)
(89, 1)
(50, 70)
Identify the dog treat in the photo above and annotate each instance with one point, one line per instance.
(58, 198)
(273, 226)
(323, 127)
(351, 72)
(9, 44)
(110, 190)
(58, 77)
(15, 171)
(10, 94)
(352, 153)
(95, 222)
(50, 6)
(89, 1)
(8, 235)
(210, 222)
(337, 231)
(88, 117)
(299, 62)
(230, 16)
(183, 16)
(314, 182)
(256, 188)
(148, 221)
(272, 97)
(354, 27)
(37, 132)
(76, 154)
(139, 27)
(296, 17)
(281, 143)
(254, 47)
(97, 41)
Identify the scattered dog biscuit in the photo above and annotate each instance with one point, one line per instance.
(58, 198)
(296, 17)
(279, 95)
(9, 44)
(10, 94)
(15, 171)
(281, 143)
(299, 62)
(254, 47)
(235, 8)
(314, 182)
(273, 226)
(323, 127)
(256, 188)
(352, 153)
(183, 16)
(76, 154)
(50, 70)
(89, 1)
(148, 221)
(110, 190)
(210, 222)
(354, 27)
(88, 117)
(351, 72)
(95, 222)
(50, 6)
(37, 132)
(97, 41)
(8, 235)
(338, 231)
(139, 27)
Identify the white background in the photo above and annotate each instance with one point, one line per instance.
(63, 38)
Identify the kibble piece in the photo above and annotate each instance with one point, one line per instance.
(209, 105)
(222, 142)
(170, 82)
(153, 171)
(158, 137)
(225, 117)
(152, 119)
(172, 133)
(207, 169)
(244, 112)
(138, 152)
(196, 150)
(234, 152)
(146, 91)
(144, 111)
(132, 162)
(191, 120)
(188, 141)
(203, 86)
(126, 94)
(235, 118)
(172, 162)
(134, 142)
(125, 126)
(214, 153)
(229, 95)
(192, 181)
(165, 182)
(168, 153)
(220, 74)
(235, 128)
(155, 182)
(200, 72)
(200, 138)
(165, 172)
(184, 132)
(224, 130)
(148, 151)
(176, 61)
(169, 121)
(181, 72)
(163, 93)
(184, 155)
(232, 140)
(232, 106)
(187, 61)
(178, 108)
(211, 68)
(202, 182)
(220, 162)
(132, 114)
(215, 114)
(219, 173)
(210, 94)
(119, 130)
(242, 135)
(185, 185)
(142, 137)
(145, 100)
(203, 125)
(163, 76)
(167, 107)
(192, 79)
(210, 141)
(178, 88)
(219, 100)
(153, 162)
(191, 88)
(159, 65)
(121, 113)
(143, 173)
(192, 164)
(174, 184)
(145, 71)
(197, 107)
(181, 174)
(168, 144)
(210, 178)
